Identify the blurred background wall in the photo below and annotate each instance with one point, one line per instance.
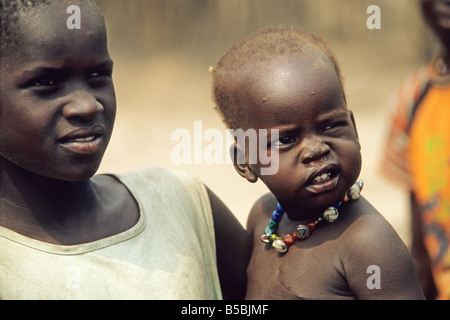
(163, 49)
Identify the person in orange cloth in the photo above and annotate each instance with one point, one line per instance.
(417, 156)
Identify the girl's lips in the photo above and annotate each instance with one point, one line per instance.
(85, 145)
(84, 140)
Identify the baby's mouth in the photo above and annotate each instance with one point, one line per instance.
(323, 181)
(322, 177)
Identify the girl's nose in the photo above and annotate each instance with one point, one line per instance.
(82, 104)
(314, 149)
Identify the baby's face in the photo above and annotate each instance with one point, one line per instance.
(57, 99)
(319, 151)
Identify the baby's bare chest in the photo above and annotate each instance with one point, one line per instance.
(304, 272)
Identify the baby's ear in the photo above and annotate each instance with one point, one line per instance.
(240, 163)
(352, 118)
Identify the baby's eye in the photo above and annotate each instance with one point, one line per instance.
(94, 75)
(285, 140)
(98, 79)
(334, 125)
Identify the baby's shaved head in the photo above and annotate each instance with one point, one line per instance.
(235, 68)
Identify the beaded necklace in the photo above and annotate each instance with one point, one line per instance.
(303, 231)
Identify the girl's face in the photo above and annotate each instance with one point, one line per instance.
(318, 148)
(57, 99)
(437, 14)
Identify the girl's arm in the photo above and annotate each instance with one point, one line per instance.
(233, 250)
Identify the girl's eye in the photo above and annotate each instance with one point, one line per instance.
(285, 140)
(45, 83)
(44, 87)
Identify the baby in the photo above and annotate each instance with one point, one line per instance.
(314, 237)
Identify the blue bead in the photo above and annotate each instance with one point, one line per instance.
(277, 216)
(279, 208)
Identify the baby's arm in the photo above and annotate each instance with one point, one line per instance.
(377, 263)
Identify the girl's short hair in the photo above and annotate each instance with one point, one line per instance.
(10, 13)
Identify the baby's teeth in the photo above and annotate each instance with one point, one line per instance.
(322, 177)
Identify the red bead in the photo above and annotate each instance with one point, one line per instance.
(288, 239)
(311, 225)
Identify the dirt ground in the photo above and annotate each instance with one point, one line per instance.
(169, 90)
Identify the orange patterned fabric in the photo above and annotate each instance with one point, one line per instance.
(417, 155)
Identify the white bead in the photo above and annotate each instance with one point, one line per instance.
(355, 191)
(264, 238)
(331, 214)
(280, 246)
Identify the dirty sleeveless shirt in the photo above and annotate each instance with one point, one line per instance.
(168, 254)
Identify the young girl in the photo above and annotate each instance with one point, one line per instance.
(314, 237)
(65, 233)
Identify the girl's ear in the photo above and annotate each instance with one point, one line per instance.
(350, 113)
(240, 162)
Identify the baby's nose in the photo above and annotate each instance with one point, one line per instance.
(314, 149)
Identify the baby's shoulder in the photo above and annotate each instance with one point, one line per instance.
(368, 238)
(370, 244)
(363, 222)
(261, 211)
